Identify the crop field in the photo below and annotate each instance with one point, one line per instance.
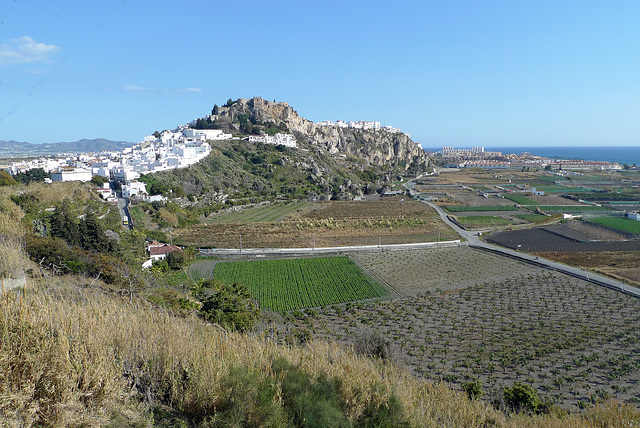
(553, 200)
(483, 221)
(534, 218)
(462, 208)
(624, 224)
(521, 199)
(326, 225)
(289, 284)
(574, 342)
(268, 213)
(572, 208)
(436, 269)
(624, 266)
(542, 240)
(349, 210)
(563, 189)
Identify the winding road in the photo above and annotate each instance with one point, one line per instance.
(475, 242)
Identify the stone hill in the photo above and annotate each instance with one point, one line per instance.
(377, 147)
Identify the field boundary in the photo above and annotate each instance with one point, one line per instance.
(325, 250)
(377, 278)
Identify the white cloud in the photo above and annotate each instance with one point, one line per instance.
(135, 88)
(25, 50)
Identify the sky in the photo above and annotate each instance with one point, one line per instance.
(451, 73)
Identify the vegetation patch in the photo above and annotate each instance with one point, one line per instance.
(534, 218)
(521, 199)
(571, 208)
(269, 213)
(482, 221)
(458, 208)
(289, 284)
(624, 224)
(571, 342)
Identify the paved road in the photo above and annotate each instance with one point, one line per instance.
(123, 207)
(474, 241)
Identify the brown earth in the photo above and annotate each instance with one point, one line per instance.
(619, 264)
(363, 209)
(327, 224)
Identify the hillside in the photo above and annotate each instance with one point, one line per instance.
(78, 357)
(18, 148)
(329, 162)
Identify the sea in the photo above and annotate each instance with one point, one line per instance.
(621, 154)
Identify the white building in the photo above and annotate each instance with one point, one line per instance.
(278, 139)
(133, 188)
(71, 174)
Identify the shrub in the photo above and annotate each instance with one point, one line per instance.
(522, 397)
(228, 305)
(372, 344)
(473, 389)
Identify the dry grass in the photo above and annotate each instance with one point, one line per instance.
(85, 358)
(51, 193)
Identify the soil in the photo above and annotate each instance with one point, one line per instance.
(573, 341)
(439, 269)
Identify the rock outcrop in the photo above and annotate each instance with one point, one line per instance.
(377, 147)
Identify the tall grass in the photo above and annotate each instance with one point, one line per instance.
(75, 357)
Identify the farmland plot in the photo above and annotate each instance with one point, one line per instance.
(574, 342)
(290, 284)
(427, 270)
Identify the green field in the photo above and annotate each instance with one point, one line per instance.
(563, 189)
(624, 224)
(521, 199)
(289, 284)
(571, 208)
(268, 213)
(480, 221)
(533, 218)
(458, 208)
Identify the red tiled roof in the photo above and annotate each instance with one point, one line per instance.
(165, 249)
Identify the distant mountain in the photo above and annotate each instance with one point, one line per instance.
(17, 148)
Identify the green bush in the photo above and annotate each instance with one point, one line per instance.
(523, 398)
(473, 389)
(228, 305)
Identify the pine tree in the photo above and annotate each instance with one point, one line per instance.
(92, 233)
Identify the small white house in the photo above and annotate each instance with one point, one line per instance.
(71, 174)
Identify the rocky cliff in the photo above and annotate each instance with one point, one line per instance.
(377, 147)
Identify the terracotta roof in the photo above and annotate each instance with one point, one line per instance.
(165, 249)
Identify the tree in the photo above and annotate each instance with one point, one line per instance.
(92, 233)
(98, 180)
(229, 103)
(64, 224)
(228, 305)
(215, 110)
(176, 260)
(35, 174)
(129, 280)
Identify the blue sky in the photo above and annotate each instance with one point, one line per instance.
(461, 73)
